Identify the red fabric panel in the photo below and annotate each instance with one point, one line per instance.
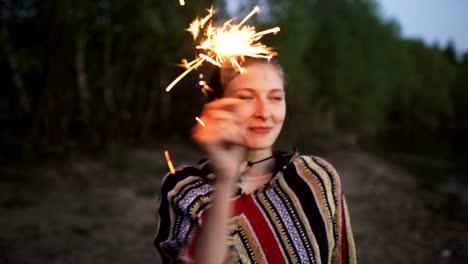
(268, 242)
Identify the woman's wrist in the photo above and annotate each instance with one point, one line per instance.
(226, 185)
(226, 181)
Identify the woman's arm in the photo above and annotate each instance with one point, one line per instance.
(222, 138)
(211, 245)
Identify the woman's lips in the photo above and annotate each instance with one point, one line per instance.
(260, 130)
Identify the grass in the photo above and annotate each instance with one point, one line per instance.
(123, 162)
(431, 171)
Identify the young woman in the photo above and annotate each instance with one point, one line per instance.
(247, 203)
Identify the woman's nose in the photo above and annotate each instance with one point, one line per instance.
(263, 110)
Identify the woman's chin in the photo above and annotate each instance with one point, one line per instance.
(259, 145)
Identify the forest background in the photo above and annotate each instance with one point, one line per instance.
(89, 76)
(85, 119)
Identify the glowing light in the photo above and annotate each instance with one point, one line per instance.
(200, 121)
(195, 65)
(182, 2)
(169, 162)
(229, 43)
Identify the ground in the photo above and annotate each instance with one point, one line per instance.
(102, 210)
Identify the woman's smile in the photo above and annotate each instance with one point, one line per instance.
(260, 129)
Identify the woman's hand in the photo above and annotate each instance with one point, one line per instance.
(222, 137)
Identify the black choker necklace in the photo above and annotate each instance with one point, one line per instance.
(249, 164)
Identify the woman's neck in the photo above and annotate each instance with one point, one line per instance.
(258, 154)
(263, 167)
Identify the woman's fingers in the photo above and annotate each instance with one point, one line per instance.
(218, 132)
(219, 124)
(217, 114)
(224, 103)
(220, 110)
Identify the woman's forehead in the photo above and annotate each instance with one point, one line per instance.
(257, 76)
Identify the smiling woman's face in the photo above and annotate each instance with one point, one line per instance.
(264, 109)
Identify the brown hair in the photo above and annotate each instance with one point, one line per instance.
(221, 76)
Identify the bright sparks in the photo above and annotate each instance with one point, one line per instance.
(182, 2)
(169, 162)
(200, 121)
(229, 43)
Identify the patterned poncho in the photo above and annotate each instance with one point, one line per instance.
(299, 216)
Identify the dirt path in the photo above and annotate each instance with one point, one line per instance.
(394, 220)
(103, 212)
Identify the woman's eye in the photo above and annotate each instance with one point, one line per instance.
(245, 97)
(277, 98)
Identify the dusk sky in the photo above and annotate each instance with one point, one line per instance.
(431, 20)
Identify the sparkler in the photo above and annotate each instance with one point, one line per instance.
(182, 2)
(229, 43)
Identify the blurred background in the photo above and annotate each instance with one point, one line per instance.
(380, 88)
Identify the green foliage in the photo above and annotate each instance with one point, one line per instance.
(87, 74)
(350, 69)
(425, 94)
(333, 53)
(460, 93)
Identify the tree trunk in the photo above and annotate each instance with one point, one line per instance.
(148, 117)
(81, 78)
(109, 99)
(165, 106)
(108, 84)
(18, 83)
